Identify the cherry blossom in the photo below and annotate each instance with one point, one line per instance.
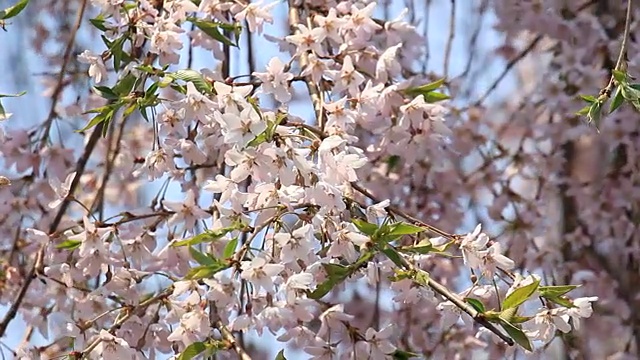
(62, 190)
(198, 215)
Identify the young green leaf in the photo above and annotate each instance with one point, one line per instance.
(69, 244)
(125, 85)
(365, 227)
(194, 77)
(618, 99)
(520, 295)
(516, 334)
(584, 110)
(14, 10)
(280, 355)
(105, 92)
(394, 256)
(508, 314)
(425, 88)
(230, 248)
(105, 116)
(434, 97)
(336, 270)
(555, 291)
(562, 301)
(201, 258)
(402, 228)
(588, 98)
(423, 247)
(323, 288)
(192, 351)
(477, 304)
(620, 76)
(207, 236)
(98, 23)
(422, 278)
(212, 29)
(336, 273)
(403, 355)
(205, 271)
(595, 113)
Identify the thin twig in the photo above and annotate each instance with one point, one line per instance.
(63, 69)
(623, 49)
(227, 335)
(461, 304)
(507, 68)
(452, 35)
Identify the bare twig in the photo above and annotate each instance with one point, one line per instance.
(452, 34)
(623, 49)
(63, 70)
(228, 336)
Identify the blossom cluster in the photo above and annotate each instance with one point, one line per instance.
(281, 224)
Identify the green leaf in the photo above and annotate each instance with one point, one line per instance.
(423, 247)
(394, 256)
(336, 274)
(630, 92)
(426, 88)
(192, 351)
(130, 109)
(105, 116)
(595, 113)
(562, 301)
(520, 295)
(13, 10)
(401, 228)
(98, 23)
(588, 98)
(477, 304)
(403, 355)
(207, 236)
(584, 110)
(323, 288)
(434, 97)
(620, 76)
(69, 244)
(362, 260)
(336, 270)
(193, 77)
(393, 161)
(212, 29)
(280, 355)
(230, 248)
(508, 314)
(618, 99)
(105, 92)
(555, 291)
(125, 85)
(422, 277)
(516, 319)
(201, 258)
(365, 227)
(205, 271)
(516, 334)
